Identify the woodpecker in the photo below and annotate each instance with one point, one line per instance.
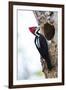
(41, 45)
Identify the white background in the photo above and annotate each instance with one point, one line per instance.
(30, 65)
(4, 45)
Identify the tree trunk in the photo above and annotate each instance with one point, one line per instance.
(53, 50)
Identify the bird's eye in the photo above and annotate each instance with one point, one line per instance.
(37, 28)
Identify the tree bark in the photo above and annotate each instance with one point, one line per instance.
(53, 50)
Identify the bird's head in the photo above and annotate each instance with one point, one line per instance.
(32, 30)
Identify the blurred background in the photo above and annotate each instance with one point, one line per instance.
(28, 66)
(28, 62)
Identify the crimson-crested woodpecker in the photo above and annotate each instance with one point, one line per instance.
(42, 46)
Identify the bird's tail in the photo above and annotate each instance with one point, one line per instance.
(49, 64)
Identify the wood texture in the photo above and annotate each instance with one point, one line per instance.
(42, 18)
